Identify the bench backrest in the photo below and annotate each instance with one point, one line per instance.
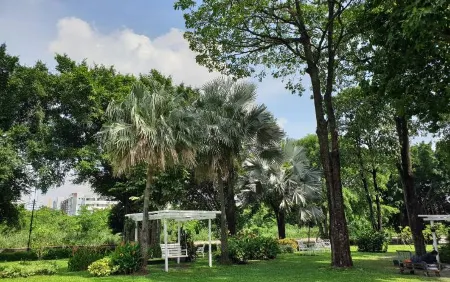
(402, 255)
(174, 250)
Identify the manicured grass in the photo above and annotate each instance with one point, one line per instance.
(287, 267)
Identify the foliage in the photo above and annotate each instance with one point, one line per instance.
(56, 253)
(288, 242)
(444, 253)
(55, 228)
(283, 185)
(28, 269)
(154, 252)
(82, 257)
(248, 246)
(372, 241)
(441, 230)
(102, 267)
(127, 258)
(151, 126)
(233, 120)
(430, 180)
(286, 249)
(18, 256)
(29, 159)
(406, 235)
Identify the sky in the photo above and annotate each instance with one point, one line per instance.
(134, 36)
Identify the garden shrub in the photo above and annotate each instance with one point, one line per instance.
(127, 257)
(28, 269)
(57, 253)
(82, 257)
(154, 252)
(251, 247)
(286, 249)
(444, 251)
(288, 241)
(18, 256)
(102, 267)
(372, 241)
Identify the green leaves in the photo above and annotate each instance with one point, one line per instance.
(147, 127)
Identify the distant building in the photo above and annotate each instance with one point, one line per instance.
(72, 205)
(56, 205)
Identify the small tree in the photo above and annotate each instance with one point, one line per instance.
(283, 184)
(231, 119)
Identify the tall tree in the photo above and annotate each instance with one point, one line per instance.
(288, 38)
(409, 57)
(367, 128)
(30, 159)
(231, 118)
(152, 127)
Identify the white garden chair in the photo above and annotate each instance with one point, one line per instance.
(201, 250)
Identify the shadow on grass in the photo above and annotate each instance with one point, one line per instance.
(287, 267)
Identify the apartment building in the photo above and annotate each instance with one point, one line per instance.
(72, 205)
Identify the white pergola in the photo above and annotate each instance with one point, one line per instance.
(432, 219)
(179, 216)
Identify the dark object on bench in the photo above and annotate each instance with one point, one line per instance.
(407, 262)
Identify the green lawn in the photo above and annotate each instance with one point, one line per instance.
(287, 267)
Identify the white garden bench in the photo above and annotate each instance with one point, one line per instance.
(174, 251)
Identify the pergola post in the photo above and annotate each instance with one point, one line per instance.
(136, 224)
(179, 237)
(209, 243)
(435, 245)
(166, 266)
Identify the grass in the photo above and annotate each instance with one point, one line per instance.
(287, 267)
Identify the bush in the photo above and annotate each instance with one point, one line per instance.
(26, 270)
(372, 241)
(154, 252)
(127, 257)
(288, 241)
(250, 247)
(18, 256)
(82, 257)
(57, 253)
(102, 267)
(286, 249)
(444, 253)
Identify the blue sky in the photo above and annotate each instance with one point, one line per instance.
(135, 36)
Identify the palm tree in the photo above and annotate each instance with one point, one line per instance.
(230, 118)
(151, 126)
(283, 184)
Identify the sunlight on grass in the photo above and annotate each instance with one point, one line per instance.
(287, 267)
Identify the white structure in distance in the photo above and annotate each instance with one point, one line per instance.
(72, 204)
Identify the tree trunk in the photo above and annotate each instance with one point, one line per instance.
(145, 222)
(377, 200)
(406, 174)
(340, 245)
(223, 222)
(231, 205)
(330, 159)
(281, 223)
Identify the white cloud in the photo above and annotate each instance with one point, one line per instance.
(130, 52)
